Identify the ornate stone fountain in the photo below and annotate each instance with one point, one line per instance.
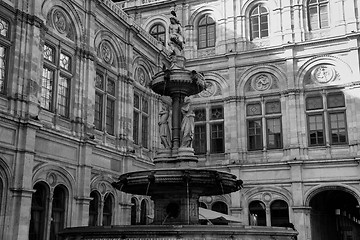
(175, 184)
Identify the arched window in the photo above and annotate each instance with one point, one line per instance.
(279, 212)
(259, 22)
(143, 212)
(58, 212)
(133, 211)
(108, 210)
(257, 213)
(94, 208)
(38, 210)
(318, 11)
(220, 207)
(206, 32)
(158, 32)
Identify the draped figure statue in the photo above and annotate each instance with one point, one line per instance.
(187, 124)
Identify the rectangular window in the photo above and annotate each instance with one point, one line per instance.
(200, 139)
(3, 53)
(47, 89)
(110, 113)
(338, 128)
(56, 81)
(217, 138)
(105, 102)
(141, 120)
(274, 135)
(331, 109)
(316, 129)
(212, 120)
(4, 28)
(98, 111)
(136, 125)
(64, 96)
(255, 134)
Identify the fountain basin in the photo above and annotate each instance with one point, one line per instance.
(203, 182)
(177, 81)
(170, 232)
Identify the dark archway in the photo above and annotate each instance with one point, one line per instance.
(334, 216)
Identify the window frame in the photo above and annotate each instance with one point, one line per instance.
(325, 111)
(318, 14)
(6, 44)
(101, 123)
(208, 27)
(158, 33)
(208, 123)
(258, 17)
(58, 73)
(262, 116)
(141, 129)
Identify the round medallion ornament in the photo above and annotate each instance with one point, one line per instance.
(106, 52)
(60, 21)
(209, 90)
(102, 188)
(51, 179)
(262, 82)
(267, 197)
(141, 76)
(323, 74)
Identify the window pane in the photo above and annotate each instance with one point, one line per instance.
(136, 101)
(65, 61)
(217, 138)
(316, 131)
(324, 22)
(111, 87)
(48, 53)
(274, 133)
(99, 81)
(2, 68)
(144, 132)
(216, 113)
(253, 109)
(136, 126)
(337, 128)
(145, 105)
(4, 27)
(313, 17)
(335, 100)
(273, 107)
(98, 111)
(47, 88)
(313, 103)
(110, 113)
(64, 96)
(200, 115)
(255, 134)
(200, 139)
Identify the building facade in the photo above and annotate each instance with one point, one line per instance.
(280, 110)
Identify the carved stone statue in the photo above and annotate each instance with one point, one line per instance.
(164, 127)
(187, 124)
(175, 34)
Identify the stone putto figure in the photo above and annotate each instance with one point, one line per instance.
(164, 127)
(187, 124)
(175, 33)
